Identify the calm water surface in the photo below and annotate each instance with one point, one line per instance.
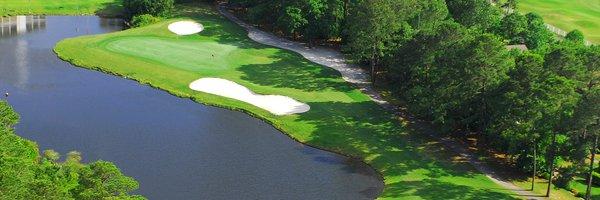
(175, 148)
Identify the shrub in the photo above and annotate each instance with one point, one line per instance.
(575, 36)
(143, 20)
(152, 7)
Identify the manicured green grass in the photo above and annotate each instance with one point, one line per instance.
(541, 186)
(568, 15)
(60, 7)
(341, 119)
(580, 186)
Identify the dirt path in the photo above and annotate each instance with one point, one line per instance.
(355, 75)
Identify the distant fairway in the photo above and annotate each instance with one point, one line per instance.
(568, 15)
(59, 7)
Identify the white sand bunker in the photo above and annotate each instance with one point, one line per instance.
(185, 27)
(276, 104)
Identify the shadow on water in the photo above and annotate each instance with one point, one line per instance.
(111, 9)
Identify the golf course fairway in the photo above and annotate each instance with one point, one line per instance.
(583, 15)
(340, 119)
(60, 7)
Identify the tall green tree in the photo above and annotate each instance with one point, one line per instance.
(575, 36)
(292, 21)
(103, 179)
(451, 75)
(375, 29)
(331, 22)
(152, 7)
(513, 27)
(587, 115)
(430, 14)
(537, 36)
(474, 13)
(315, 13)
(587, 123)
(309, 20)
(414, 61)
(566, 60)
(565, 64)
(520, 109)
(560, 106)
(25, 174)
(264, 12)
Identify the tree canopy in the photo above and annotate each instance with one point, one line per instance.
(25, 174)
(448, 61)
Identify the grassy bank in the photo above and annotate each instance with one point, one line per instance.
(568, 15)
(580, 186)
(60, 7)
(542, 185)
(341, 119)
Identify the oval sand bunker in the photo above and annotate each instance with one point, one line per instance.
(276, 104)
(185, 27)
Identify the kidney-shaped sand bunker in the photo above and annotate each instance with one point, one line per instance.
(276, 104)
(185, 27)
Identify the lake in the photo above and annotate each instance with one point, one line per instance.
(174, 147)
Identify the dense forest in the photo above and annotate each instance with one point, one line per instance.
(27, 174)
(454, 63)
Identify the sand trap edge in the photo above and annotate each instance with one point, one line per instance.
(275, 104)
(185, 27)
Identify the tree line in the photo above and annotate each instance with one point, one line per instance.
(25, 173)
(450, 61)
(139, 13)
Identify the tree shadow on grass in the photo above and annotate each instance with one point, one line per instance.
(217, 26)
(595, 188)
(365, 130)
(432, 189)
(291, 71)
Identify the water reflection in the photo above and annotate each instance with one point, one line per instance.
(11, 26)
(22, 68)
(13, 31)
(111, 22)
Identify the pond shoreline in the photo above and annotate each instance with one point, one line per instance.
(143, 129)
(224, 106)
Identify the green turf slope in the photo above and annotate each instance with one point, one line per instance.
(568, 15)
(341, 119)
(60, 7)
